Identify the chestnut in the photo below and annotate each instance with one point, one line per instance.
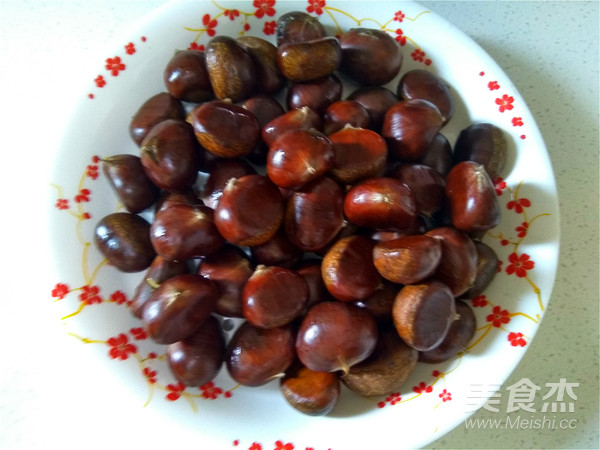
(425, 85)
(264, 54)
(382, 203)
(316, 94)
(309, 60)
(225, 129)
(348, 270)
(186, 77)
(250, 210)
(303, 118)
(483, 143)
(345, 113)
(299, 156)
(298, 26)
(157, 108)
(409, 128)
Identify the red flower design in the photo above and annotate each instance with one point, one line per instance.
(480, 301)
(83, 196)
(210, 391)
(100, 81)
(400, 36)
(519, 264)
(118, 297)
(152, 355)
(210, 24)
(150, 375)
(445, 396)
(435, 373)
(279, 445)
(85, 216)
(246, 26)
(399, 16)
(269, 27)
(195, 46)
(175, 391)
(315, 6)
(504, 242)
(138, 333)
(493, 85)
(114, 65)
(231, 13)
(519, 204)
(422, 388)
(92, 171)
(255, 446)
(500, 185)
(264, 7)
(517, 122)
(130, 48)
(516, 339)
(498, 317)
(393, 398)
(90, 295)
(418, 55)
(120, 347)
(522, 229)
(505, 102)
(60, 290)
(62, 203)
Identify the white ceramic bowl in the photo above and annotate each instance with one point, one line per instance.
(92, 296)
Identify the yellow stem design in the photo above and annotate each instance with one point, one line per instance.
(524, 315)
(487, 328)
(537, 292)
(81, 306)
(86, 340)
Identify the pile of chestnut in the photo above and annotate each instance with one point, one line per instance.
(345, 233)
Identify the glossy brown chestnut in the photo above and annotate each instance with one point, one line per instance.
(380, 303)
(473, 204)
(382, 203)
(178, 307)
(197, 359)
(231, 69)
(225, 129)
(316, 94)
(370, 56)
(458, 267)
(128, 179)
(124, 240)
(250, 210)
(220, 172)
(298, 26)
(439, 155)
(183, 231)
(157, 108)
(487, 268)
(409, 128)
(422, 84)
(314, 214)
(264, 54)
(168, 199)
(310, 269)
(407, 260)
(348, 270)
(427, 185)
(423, 314)
(302, 118)
(186, 77)
(388, 367)
(299, 156)
(274, 296)
(358, 154)
(335, 336)
(277, 251)
(485, 144)
(459, 334)
(344, 113)
(376, 100)
(229, 269)
(171, 156)
(309, 60)
(310, 392)
(256, 356)
(159, 271)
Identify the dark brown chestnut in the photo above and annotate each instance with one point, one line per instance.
(298, 26)
(316, 94)
(186, 77)
(483, 143)
(419, 83)
(157, 108)
(309, 60)
(302, 118)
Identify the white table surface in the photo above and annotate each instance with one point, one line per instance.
(550, 51)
